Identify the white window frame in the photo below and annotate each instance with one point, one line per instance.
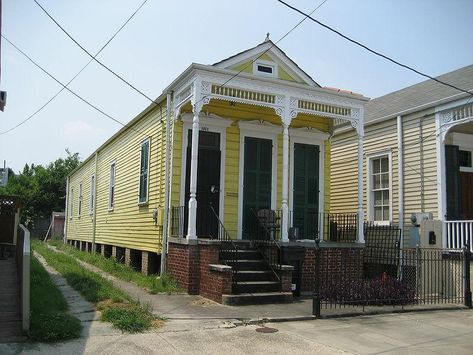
(265, 63)
(147, 140)
(93, 184)
(256, 129)
(79, 206)
(464, 142)
(111, 203)
(370, 197)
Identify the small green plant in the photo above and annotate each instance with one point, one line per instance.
(49, 320)
(152, 283)
(131, 318)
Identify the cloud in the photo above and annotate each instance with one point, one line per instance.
(79, 128)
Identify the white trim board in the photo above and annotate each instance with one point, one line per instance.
(257, 129)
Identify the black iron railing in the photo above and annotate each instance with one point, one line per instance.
(178, 220)
(228, 248)
(264, 239)
(329, 227)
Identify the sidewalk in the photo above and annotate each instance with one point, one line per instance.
(189, 307)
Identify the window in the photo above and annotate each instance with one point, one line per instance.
(144, 167)
(380, 205)
(111, 189)
(264, 68)
(71, 204)
(79, 208)
(92, 194)
(464, 157)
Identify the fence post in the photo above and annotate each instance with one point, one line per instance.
(317, 273)
(466, 275)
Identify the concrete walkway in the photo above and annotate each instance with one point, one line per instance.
(442, 332)
(78, 306)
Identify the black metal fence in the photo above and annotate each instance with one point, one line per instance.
(178, 221)
(404, 278)
(330, 227)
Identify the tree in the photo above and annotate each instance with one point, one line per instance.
(42, 190)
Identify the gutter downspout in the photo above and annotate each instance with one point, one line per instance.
(166, 186)
(94, 215)
(66, 213)
(400, 164)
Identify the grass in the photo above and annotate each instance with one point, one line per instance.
(49, 320)
(151, 283)
(132, 317)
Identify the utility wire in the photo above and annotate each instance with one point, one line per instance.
(373, 51)
(93, 58)
(65, 87)
(78, 73)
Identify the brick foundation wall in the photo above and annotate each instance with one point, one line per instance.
(212, 283)
(334, 261)
(183, 266)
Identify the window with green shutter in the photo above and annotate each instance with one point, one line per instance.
(144, 172)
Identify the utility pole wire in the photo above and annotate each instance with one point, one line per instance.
(373, 51)
(93, 58)
(78, 73)
(65, 87)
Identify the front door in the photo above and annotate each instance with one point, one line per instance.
(306, 190)
(466, 195)
(257, 179)
(208, 183)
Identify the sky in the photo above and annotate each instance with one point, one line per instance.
(165, 37)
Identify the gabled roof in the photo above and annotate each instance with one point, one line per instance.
(421, 95)
(267, 48)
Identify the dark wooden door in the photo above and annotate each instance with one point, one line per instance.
(208, 183)
(466, 195)
(256, 181)
(306, 190)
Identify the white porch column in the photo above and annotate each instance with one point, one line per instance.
(191, 229)
(441, 177)
(285, 182)
(361, 214)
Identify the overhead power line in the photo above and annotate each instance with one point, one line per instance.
(373, 51)
(65, 87)
(93, 57)
(78, 73)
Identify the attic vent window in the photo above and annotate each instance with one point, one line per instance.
(264, 68)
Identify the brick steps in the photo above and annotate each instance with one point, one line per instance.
(255, 282)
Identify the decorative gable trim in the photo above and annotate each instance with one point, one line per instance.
(278, 56)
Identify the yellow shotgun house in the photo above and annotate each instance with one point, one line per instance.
(224, 146)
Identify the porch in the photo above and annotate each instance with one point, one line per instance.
(455, 166)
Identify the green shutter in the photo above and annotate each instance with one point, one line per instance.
(257, 180)
(306, 189)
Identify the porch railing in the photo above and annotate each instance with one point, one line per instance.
(330, 227)
(178, 217)
(264, 239)
(228, 248)
(459, 234)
